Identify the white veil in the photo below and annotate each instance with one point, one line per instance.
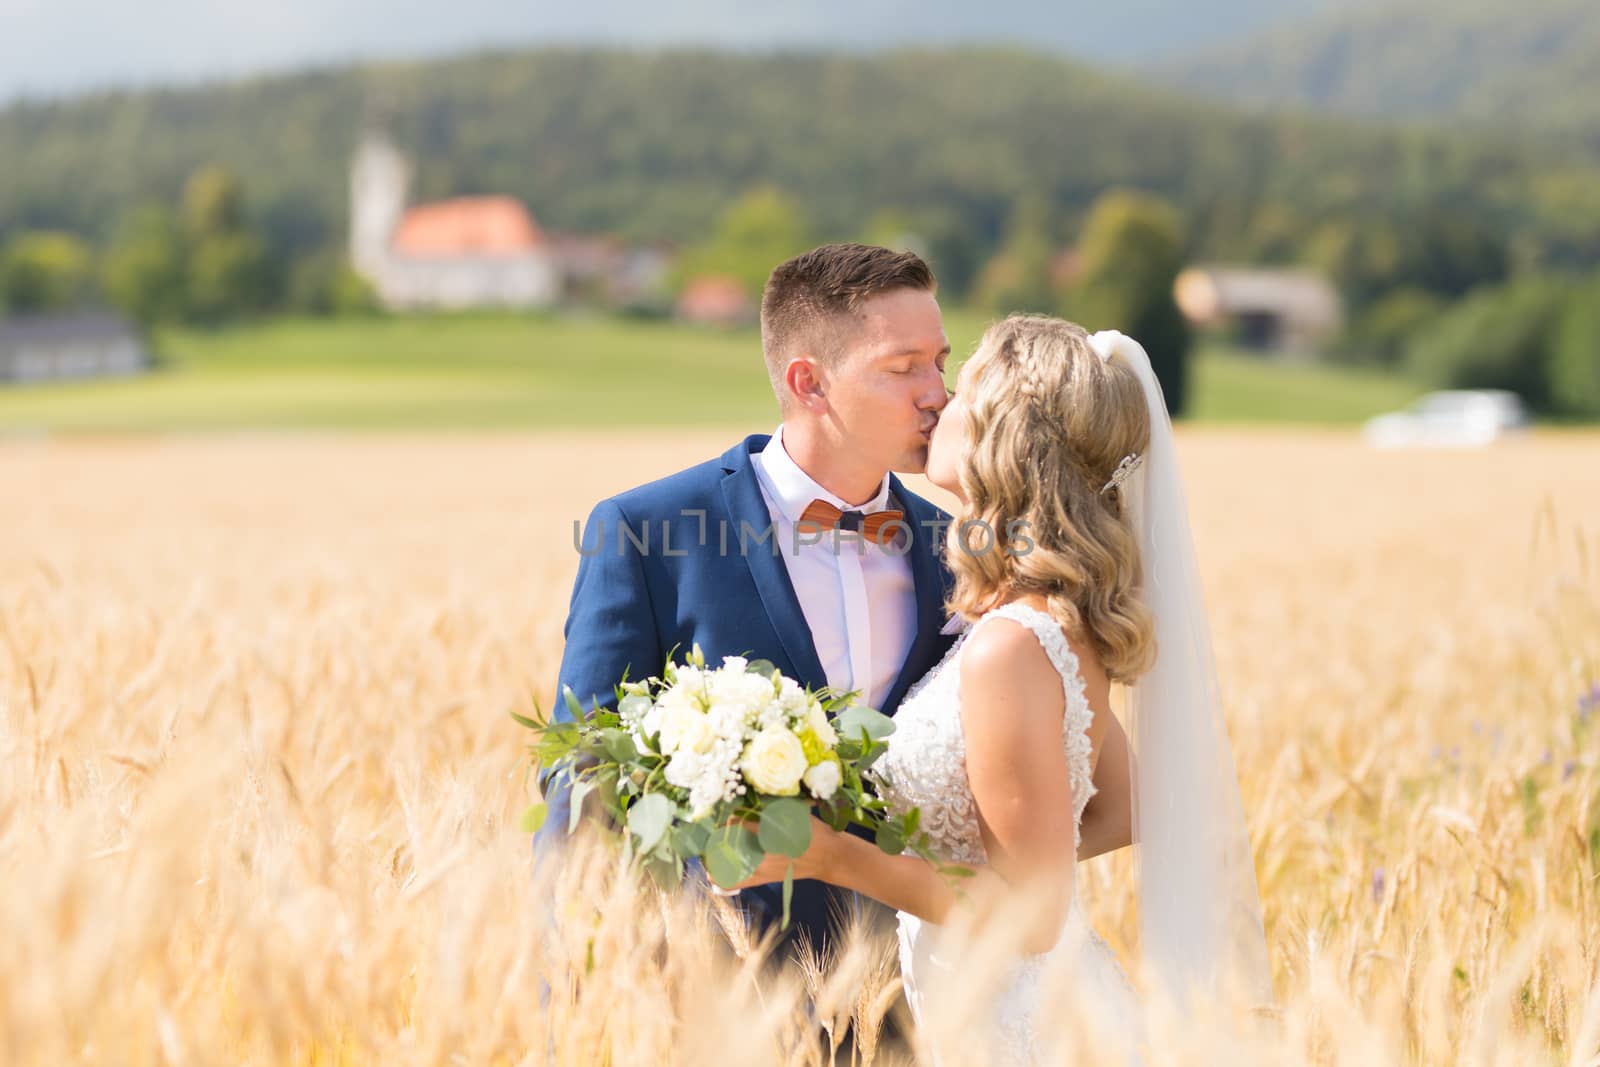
(1199, 909)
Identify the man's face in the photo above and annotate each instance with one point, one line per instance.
(887, 389)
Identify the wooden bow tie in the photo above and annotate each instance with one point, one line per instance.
(879, 527)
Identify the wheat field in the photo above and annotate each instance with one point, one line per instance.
(259, 790)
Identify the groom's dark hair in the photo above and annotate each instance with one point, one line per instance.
(807, 298)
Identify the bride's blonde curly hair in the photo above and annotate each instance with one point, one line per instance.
(1048, 424)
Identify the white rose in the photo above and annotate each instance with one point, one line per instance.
(685, 729)
(817, 719)
(774, 762)
(823, 779)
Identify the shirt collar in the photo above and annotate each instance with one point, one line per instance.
(793, 488)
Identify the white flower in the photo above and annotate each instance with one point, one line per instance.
(774, 762)
(710, 776)
(684, 697)
(633, 708)
(689, 680)
(742, 689)
(684, 728)
(791, 695)
(823, 779)
(817, 719)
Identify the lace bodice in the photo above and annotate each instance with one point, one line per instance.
(926, 764)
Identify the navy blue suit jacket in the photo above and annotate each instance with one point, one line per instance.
(640, 594)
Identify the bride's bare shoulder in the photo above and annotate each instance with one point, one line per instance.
(1004, 665)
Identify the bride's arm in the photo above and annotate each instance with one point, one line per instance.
(1012, 712)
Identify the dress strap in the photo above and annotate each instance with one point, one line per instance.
(1056, 646)
(1045, 628)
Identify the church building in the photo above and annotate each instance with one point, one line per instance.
(469, 252)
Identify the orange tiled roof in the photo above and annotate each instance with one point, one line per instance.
(474, 225)
(714, 298)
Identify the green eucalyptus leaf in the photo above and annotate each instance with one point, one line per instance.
(633, 704)
(619, 745)
(580, 789)
(690, 839)
(785, 827)
(665, 872)
(892, 838)
(649, 819)
(860, 719)
(572, 703)
(557, 741)
(732, 855)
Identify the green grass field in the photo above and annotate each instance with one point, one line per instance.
(502, 372)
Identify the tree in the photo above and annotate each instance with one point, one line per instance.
(229, 274)
(1128, 259)
(1451, 253)
(1361, 256)
(43, 271)
(213, 203)
(755, 233)
(1575, 355)
(894, 229)
(230, 271)
(1019, 276)
(144, 269)
(1382, 334)
(1497, 338)
(325, 284)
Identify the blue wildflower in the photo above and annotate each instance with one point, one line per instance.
(1588, 702)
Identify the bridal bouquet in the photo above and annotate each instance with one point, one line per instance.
(725, 765)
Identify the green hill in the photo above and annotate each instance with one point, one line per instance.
(655, 144)
(1536, 62)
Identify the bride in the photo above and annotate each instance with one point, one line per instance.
(1073, 569)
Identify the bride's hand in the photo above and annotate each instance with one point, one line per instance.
(814, 863)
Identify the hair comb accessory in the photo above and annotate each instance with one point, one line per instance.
(1124, 471)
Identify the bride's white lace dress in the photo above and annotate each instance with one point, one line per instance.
(926, 767)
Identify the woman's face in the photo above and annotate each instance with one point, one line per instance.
(948, 449)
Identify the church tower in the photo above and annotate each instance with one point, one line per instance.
(379, 176)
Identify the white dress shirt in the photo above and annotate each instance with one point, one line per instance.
(859, 598)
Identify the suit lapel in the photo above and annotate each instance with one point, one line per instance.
(742, 492)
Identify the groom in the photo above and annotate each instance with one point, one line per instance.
(855, 349)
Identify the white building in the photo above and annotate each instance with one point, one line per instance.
(482, 251)
(40, 348)
(1271, 309)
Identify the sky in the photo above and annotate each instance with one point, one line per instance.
(52, 48)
